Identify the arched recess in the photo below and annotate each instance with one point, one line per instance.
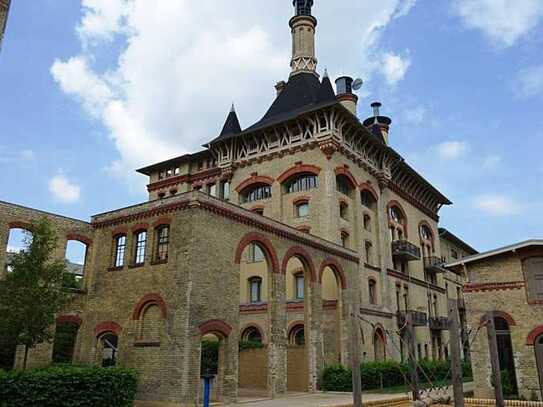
(305, 259)
(379, 343)
(366, 187)
(333, 285)
(501, 314)
(149, 316)
(19, 237)
(76, 255)
(397, 224)
(345, 172)
(107, 343)
(253, 180)
(533, 335)
(148, 299)
(299, 168)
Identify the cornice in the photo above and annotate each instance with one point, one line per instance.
(415, 281)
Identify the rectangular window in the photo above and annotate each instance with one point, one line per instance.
(120, 249)
(454, 254)
(225, 187)
(141, 242)
(212, 189)
(163, 242)
(299, 286)
(302, 210)
(256, 284)
(534, 278)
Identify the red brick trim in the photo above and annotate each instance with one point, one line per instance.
(367, 187)
(269, 251)
(215, 326)
(255, 326)
(295, 305)
(509, 285)
(107, 326)
(140, 227)
(19, 224)
(336, 268)
(299, 168)
(294, 324)
(74, 319)
(404, 214)
(304, 228)
(301, 200)
(254, 179)
(148, 299)
(121, 230)
(257, 208)
(253, 308)
(379, 330)
(533, 335)
(500, 314)
(182, 179)
(79, 238)
(164, 221)
(345, 172)
(301, 254)
(329, 304)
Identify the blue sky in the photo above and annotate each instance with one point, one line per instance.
(92, 90)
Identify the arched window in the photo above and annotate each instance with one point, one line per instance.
(163, 243)
(344, 185)
(397, 223)
(120, 250)
(368, 200)
(379, 345)
(140, 243)
(297, 335)
(372, 290)
(252, 334)
(299, 286)
(76, 253)
(255, 290)
(109, 348)
(151, 322)
(255, 254)
(301, 182)
(368, 246)
(426, 240)
(505, 349)
(256, 192)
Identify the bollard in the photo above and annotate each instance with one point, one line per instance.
(208, 378)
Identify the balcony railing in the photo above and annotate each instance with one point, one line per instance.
(439, 323)
(434, 264)
(419, 318)
(404, 250)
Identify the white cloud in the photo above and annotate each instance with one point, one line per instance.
(415, 115)
(394, 67)
(529, 82)
(496, 205)
(504, 22)
(64, 190)
(181, 64)
(451, 150)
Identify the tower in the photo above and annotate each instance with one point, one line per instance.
(303, 26)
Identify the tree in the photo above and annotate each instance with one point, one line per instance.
(32, 292)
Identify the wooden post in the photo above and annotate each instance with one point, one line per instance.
(494, 359)
(355, 361)
(412, 356)
(456, 362)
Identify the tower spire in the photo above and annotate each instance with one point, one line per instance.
(303, 26)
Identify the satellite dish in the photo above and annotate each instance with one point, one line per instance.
(357, 84)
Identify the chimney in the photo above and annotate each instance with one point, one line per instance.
(280, 87)
(303, 26)
(345, 93)
(378, 125)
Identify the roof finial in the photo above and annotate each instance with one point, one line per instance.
(233, 108)
(325, 73)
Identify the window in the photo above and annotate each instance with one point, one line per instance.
(406, 298)
(425, 232)
(369, 252)
(141, 243)
(256, 193)
(534, 278)
(259, 210)
(108, 344)
(303, 182)
(367, 222)
(120, 249)
(255, 289)
(163, 236)
(161, 175)
(169, 172)
(454, 254)
(297, 335)
(255, 254)
(368, 200)
(372, 288)
(252, 334)
(177, 171)
(212, 189)
(225, 190)
(345, 239)
(299, 286)
(302, 209)
(343, 185)
(344, 210)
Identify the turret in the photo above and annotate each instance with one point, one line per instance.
(345, 95)
(303, 26)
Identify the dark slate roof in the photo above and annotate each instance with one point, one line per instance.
(200, 155)
(447, 234)
(303, 93)
(231, 126)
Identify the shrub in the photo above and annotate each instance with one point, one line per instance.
(243, 345)
(336, 378)
(434, 370)
(466, 369)
(375, 375)
(68, 386)
(508, 387)
(210, 357)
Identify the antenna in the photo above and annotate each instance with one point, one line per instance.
(357, 84)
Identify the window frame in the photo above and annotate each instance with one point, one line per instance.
(298, 206)
(256, 192)
(258, 281)
(140, 247)
(119, 250)
(301, 182)
(299, 277)
(162, 247)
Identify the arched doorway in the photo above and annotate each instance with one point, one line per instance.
(332, 315)
(505, 353)
(538, 345)
(379, 345)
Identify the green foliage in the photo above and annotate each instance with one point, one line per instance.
(68, 386)
(508, 386)
(243, 345)
(385, 374)
(63, 346)
(32, 293)
(210, 357)
(466, 369)
(70, 280)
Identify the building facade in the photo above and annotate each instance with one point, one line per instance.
(4, 9)
(277, 233)
(508, 283)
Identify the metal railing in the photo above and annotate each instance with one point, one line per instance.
(419, 318)
(439, 323)
(434, 264)
(405, 250)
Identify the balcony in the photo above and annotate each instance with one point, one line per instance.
(419, 318)
(434, 264)
(439, 323)
(403, 250)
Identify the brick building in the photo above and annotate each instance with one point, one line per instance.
(277, 233)
(509, 283)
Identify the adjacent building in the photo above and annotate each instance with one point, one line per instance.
(508, 283)
(277, 233)
(4, 9)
